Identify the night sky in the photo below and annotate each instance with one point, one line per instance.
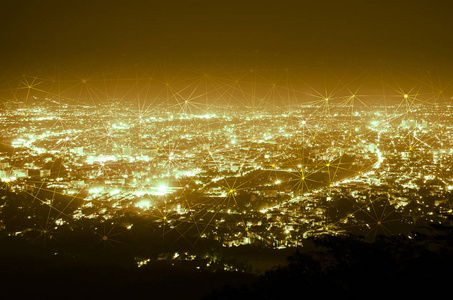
(412, 36)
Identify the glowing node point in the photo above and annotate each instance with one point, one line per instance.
(104, 238)
(273, 166)
(379, 223)
(165, 218)
(406, 96)
(246, 229)
(303, 122)
(231, 191)
(44, 231)
(328, 165)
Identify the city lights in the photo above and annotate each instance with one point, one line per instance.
(264, 150)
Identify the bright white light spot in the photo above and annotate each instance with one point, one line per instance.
(143, 204)
(8, 179)
(162, 190)
(95, 190)
(114, 192)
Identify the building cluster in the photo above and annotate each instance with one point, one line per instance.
(236, 177)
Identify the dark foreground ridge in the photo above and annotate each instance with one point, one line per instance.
(390, 267)
(334, 266)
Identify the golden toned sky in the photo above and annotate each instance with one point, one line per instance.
(36, 34)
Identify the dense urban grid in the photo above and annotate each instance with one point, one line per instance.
(168, 179)
(226, 149)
